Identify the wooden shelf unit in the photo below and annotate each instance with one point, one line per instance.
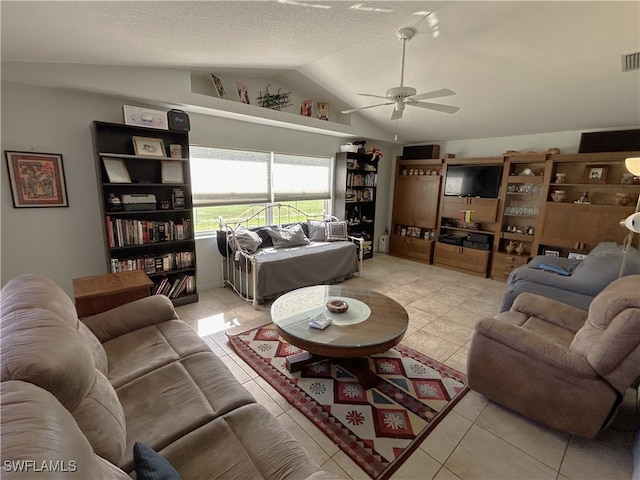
(579, 227)
(525, 183)
(452, 219)
(415, 208)
(159, 240)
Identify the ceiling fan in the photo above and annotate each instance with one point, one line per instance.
(401, 96)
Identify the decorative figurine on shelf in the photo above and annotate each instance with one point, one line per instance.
(584, 198)
(375, 152)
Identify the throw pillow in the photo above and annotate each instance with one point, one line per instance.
(336, 231)
(247, 239)
(291, 236)
(317, 230)
(150, 465)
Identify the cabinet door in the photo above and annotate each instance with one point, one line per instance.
(403, 200)
(426, 191)
(482, 209)
(601, 223)
(568, 224)
(562, 224)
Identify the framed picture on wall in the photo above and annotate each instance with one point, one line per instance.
(37, 179)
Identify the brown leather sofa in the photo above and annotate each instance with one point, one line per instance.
(561, 366)
(77, 395)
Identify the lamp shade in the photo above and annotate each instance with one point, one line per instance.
(633, 165)
(632, 222)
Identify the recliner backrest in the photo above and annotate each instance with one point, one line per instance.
(610, 338)
(43, 343)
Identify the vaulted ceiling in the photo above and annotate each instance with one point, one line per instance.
(517, 67)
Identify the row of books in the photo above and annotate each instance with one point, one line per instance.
(360, 195)
(154, 264)
(123, 232)
(174, 288)
(362, 179)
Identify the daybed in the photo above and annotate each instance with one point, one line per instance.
(261, 263)
(583, 280)
(78, 395)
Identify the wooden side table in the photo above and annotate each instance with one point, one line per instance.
(103, 292)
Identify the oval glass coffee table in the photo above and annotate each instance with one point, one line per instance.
(373, 324)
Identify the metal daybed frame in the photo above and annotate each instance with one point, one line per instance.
(240, 267)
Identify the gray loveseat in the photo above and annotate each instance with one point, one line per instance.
(586, 278)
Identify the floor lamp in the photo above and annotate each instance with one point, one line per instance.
(632, 222)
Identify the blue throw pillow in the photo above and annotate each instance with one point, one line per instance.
(150, 465)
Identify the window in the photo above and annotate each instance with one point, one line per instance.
(236, 183)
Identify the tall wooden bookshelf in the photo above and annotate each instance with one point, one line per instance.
(146, 204)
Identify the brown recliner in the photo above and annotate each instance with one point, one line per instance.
(559, 365)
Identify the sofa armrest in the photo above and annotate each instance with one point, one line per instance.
(550, 310)
(535, 346)
(131, 316)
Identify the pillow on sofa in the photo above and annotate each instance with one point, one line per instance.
(291, 236)
(317, 230)
(336, 231)
(150, 465)
(247, 239)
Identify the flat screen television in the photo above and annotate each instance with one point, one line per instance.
(473, 181)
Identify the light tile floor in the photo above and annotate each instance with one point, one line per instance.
(478, 439)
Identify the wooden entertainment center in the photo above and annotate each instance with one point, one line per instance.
(525, 218)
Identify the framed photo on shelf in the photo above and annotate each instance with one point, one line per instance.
(243, 92)
(217, 83)
(172, 172)
(551, 253)
(306, 108)
(116, 170)
(323, 110)
(150, 147)
(37, 179)
(595, 174)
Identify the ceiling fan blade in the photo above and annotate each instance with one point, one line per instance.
(444, 92)
(364, 108)
(396, 114)
(435, 106)
(372, 95)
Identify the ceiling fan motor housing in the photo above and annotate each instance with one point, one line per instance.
(398, 93)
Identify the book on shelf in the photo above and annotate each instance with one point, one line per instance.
(175, 287)
(125, 232)
(151, 264)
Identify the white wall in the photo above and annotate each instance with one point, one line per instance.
(66, 243)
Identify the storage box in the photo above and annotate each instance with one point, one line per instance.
(138, 201)
(349, 148)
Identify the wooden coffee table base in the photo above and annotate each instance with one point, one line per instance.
(358, 366)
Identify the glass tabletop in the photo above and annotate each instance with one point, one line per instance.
(372, 324)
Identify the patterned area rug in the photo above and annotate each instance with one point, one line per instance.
(377, 428)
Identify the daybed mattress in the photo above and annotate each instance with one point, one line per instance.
(280, 270)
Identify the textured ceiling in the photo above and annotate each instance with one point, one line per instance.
(517, 67)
